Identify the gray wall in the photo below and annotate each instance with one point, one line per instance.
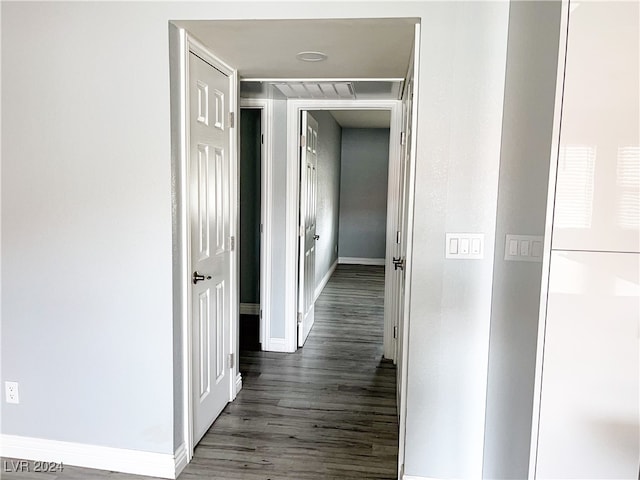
(328, 204)
(532, 60)
(363, 192)
(87, 319)
(250, 157)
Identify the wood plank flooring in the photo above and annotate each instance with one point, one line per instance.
(327, 411)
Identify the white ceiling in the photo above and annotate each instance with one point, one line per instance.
(356, 48)
(362, 118)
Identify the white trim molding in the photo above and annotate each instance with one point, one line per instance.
(266, 202)
(414, 477)
(320, 79)
(238, 382)
(277, 345)
(325, 280)
(163, 465)
(360, 261)
(181, 459)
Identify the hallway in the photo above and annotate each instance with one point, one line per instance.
(326, 411)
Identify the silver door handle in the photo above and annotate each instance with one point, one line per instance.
(398, 263)
(197, 277)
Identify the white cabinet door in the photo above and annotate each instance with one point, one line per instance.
(589, 423)
(598, 181)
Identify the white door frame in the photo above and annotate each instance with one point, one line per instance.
(294, 108)
(266, 205)
(411, 180)
(181, 43)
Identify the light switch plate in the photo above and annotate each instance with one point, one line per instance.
(523, 248)
(464, 246)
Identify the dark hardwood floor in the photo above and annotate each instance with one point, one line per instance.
(327, 411)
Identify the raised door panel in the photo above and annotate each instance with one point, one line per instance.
(203, 348)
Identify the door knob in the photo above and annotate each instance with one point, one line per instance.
(398, 263)
(316, 237)
(197, 277)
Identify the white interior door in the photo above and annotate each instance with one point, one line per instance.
(209, 216)
(410, 105)
(399, 259)
(308, 236)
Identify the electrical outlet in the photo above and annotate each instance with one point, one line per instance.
(11, 392)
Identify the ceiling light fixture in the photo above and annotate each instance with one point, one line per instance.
(311, 56)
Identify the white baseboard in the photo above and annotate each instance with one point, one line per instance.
(181, 460)
(249, 309)
(360, 261)
(276, 345)
(164, 465)
(238, 383)
(413, 477)
(325, 280)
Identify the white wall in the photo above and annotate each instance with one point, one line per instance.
(589, 405)
(86, 219)
(532, 61)
(460, 102)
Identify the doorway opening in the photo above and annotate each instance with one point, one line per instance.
(250, 242)
(344, 170)
(280, 172)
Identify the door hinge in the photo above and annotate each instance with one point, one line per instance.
(232, 119)
(303, 140)
(262, 138)
(260, 314)
(232, 243)
(395, 331)
(299, 318)
(301, 231)
(403, 140)
(261, 228)
(230, 365)
(397, 236)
